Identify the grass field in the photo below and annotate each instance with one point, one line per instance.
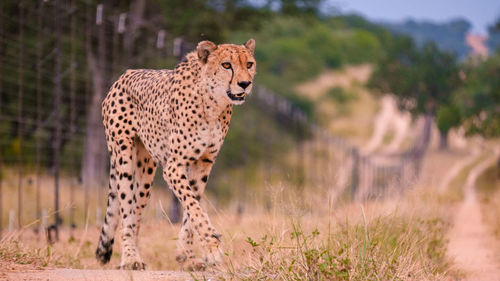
(488, 186)
(397, 238)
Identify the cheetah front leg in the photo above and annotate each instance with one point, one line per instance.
(185, 250)
(197, 175)
(196, 220)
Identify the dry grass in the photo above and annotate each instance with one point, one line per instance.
(375, 244)
(16, 255)
(97, 198)
(488, 187)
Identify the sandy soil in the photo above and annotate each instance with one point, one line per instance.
(105, 275)
(457, 168)
(471, 244)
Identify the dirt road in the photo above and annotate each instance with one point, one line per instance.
(471, 244)
(457, 168)
(104, 275)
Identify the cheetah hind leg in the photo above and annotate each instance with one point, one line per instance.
(143, 176)
(106, 239)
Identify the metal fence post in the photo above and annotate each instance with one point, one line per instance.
(57, 110)
(355, 172)
(1, 92)
(20, 84)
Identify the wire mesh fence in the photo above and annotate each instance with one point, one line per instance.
(57, 60)
(364, 176)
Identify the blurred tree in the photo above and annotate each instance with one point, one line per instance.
(197, 20)
(497, 25)
(193, 19)
(448, 116)
(493, 40)
(293, 49)
(449, 36)
(300, 7)
(479, 98)
(422, 79)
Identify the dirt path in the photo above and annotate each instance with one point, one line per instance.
(471, 245)
(104, 275)
(457, 168)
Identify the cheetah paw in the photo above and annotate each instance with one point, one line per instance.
(191, 264)
(133, 266)
(214, 257)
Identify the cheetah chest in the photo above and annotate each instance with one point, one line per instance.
(209, 140)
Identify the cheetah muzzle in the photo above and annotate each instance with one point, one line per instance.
(176, 119)
(237, 97)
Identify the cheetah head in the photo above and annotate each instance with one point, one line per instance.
(227, 70)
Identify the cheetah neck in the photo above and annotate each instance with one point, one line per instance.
(213, 109)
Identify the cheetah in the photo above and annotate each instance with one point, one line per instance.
(176, 119)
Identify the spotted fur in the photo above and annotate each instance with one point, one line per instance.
(176, 119)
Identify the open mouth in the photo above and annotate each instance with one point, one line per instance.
(236, 97)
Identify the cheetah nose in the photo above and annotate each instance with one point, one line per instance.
(244, 84)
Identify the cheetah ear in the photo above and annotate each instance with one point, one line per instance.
(250, 44)
(204, 49)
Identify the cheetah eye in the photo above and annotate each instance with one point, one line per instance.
(249, 64)
(226, 65)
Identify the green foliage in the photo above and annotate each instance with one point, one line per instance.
(300, 7)
(422, 79)
(209, 19)
(479, 98)
(447, 117)
(427, 79)
(291, 50)
(340, 95)
(493, 40)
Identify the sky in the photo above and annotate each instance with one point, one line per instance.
(481, 13)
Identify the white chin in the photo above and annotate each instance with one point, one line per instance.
(237, 102)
